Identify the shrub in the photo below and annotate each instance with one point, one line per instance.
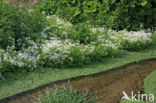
(130, 14)
(67, 95)
(16, 25)
(115, 14)
(81, 32)
(75, 11)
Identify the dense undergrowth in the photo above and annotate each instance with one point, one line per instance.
(33, 39)
(115, 14)
(19, 27)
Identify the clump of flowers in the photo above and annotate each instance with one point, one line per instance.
(27, 58)
(132, 40)
(56, 21)
(62, 47)
(129, 40)
(58, 53)
(63, 52)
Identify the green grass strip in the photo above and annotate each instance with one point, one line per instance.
(150, 84)
(19, 82)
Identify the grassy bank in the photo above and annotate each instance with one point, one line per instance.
(19, 82)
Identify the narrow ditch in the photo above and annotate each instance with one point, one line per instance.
(108, 86)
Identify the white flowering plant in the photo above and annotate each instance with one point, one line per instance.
(60, 53)
(25, 59)
(126, 40)
(62, 44)
(65, 53)
(133, 40)
(57, 27)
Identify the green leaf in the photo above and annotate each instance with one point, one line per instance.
(143, 3)
(113, 1)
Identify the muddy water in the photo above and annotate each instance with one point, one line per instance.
(107, 86)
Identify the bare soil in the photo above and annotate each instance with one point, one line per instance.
(108, 86)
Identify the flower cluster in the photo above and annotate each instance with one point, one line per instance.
(25, 58)
(55, 51)
(131, 40)
(56, 21)
(59, 52)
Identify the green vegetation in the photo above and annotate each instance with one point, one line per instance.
(18, 27)
(31, 40)
(67, 95)
(19, 30)
(35, 44)
(116, 14)
(150, 84)
(17, 82)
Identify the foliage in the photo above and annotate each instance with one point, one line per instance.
(115, 14)
(59, 52)
(74, 11)
(13, 82)
(65, 53)
(29, 45)
(15, 28)
(81, 32)
(67, 45)
(154, 37)
(67, 95)
(131, 15)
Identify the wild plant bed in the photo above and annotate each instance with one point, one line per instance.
(48, 41)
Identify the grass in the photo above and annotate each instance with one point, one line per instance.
(67, 95)
(150, 84)
(22, 81)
